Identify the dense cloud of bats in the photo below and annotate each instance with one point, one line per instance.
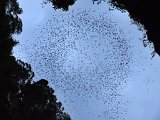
(86, 57)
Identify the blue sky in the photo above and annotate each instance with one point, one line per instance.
(93, 58)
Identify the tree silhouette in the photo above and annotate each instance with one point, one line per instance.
(10, 24)
(146, 13)
(61, 4)
(37, 102)
(20, 97)
(13, 76)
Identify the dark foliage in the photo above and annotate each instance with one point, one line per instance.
(37, 102)
(10, 24)
(145, 12)
(20, 97)
(61, 4)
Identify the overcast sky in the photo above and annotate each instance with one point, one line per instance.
(94, 58)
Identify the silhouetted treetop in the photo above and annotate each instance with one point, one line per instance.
(145, 12)
(13, 7)
(61, 4)
(13, 77)
(38, 102)
(9, 25)
(12, 12)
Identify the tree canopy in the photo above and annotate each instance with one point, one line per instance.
(145, 12)
(61, 4)
(20, 97)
